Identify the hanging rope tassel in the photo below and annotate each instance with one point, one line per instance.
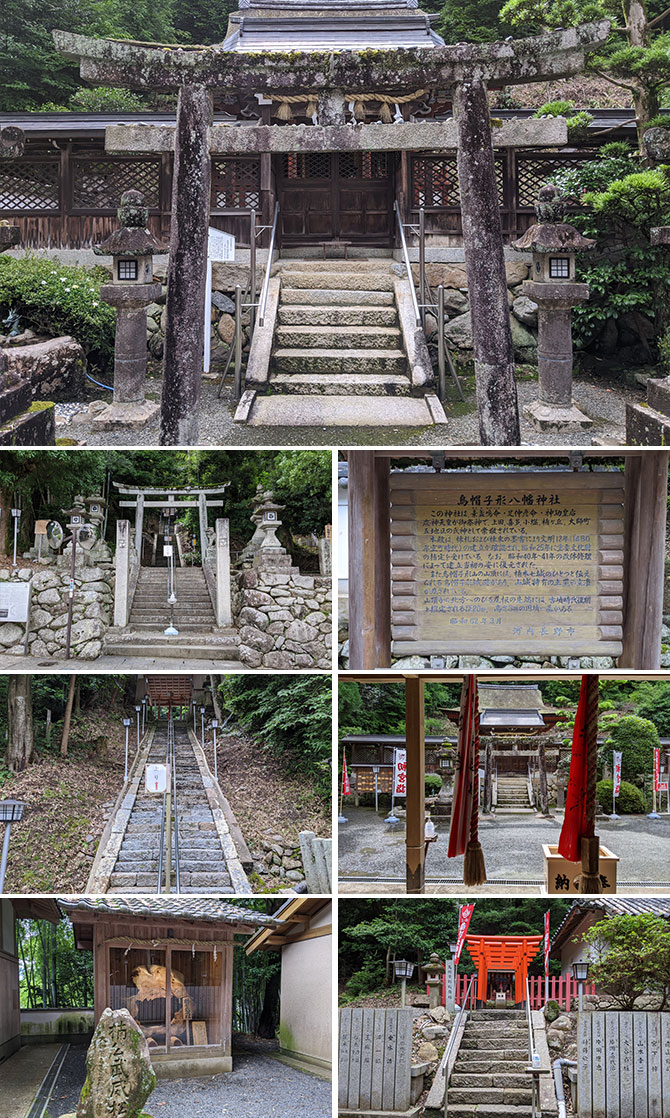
(474, 867)
(359, 110)
(312, 107)
(284, 112)
(385, 114)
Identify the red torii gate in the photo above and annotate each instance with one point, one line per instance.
(503, 953)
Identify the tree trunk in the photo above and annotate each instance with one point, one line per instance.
(645, 100)
(20, 730)
(68, 717)
(77, 697)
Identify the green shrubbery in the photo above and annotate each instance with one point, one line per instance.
(364, 981)
(433, 783)
(56, 299)
(630, 800)
(577, 120)
(635, 738)
(653, 703)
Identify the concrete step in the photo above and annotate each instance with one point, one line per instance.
(296, 314)
(156, 645)
(182, 626)
(333, 384)
(517, 1079)
(360, 361)
(323, 297)
(340, 280)
(338, 337)
(509, 1096)
(318, 264)
(485, 1109)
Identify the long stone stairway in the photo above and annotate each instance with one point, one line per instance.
(128, 860)
(338, 337)
(489, 1080)
(513, 796)
(199, 637)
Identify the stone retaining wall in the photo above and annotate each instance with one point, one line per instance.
(284, 619)
(91, 615)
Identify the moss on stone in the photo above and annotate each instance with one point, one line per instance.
(40, 405)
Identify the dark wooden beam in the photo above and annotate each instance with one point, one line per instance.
(645, 514)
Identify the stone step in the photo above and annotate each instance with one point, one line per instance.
(498, 1015)
(341, 411)
(297, 314)
(318, 264)
(361, 361)
(489, 1067)
(658, 394)
(322, 297)
(517, 1079)
(154, 647)
(333, 384)
(324, 280)
(491, 1028)
(509, 1096)
(492, 1044)
(338, 337)
(487, 1110)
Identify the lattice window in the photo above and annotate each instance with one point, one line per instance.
(236, 184)
(364, 165)
(532, 173)
(25, 185)
(97, 184)
(307, 165)
(435, 182)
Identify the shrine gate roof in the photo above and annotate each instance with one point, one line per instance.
(503, 952)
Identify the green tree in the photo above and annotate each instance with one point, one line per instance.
(472, 21)
(636, 56)
(53, 974)
(653, 703)
(631, 958)
(635, 738)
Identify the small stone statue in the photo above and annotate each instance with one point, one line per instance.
(119, 1075)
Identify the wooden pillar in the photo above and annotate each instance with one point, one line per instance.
(415, 876)
(485, 263)
(185, 304)
(369, 561)
(645, 510)
(589, 879)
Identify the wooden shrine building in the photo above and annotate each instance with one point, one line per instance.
(169, 961)
(502, 965)
(561, 560)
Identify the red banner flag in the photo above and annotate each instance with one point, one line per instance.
(547, 944)
(465, 789)
(657, 770)
(617, 772)
(464, 918)
(574, 822)
(346, 787)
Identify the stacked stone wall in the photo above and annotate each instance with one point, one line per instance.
(284, 619)
(91, 614)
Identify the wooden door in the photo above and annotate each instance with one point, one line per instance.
(326, 196)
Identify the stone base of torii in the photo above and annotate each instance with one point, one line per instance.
(465, 68)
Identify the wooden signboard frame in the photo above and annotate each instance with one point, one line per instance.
(494, 562)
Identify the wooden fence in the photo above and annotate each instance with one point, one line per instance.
(623, 1065)
(563, 990)
(375, 1059)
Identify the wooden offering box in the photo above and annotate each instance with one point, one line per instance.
(560, 875)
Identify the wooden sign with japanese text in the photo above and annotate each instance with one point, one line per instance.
(510, 561)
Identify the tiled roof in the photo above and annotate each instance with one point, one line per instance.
(208, 909)
(321, 33)
(609, 906)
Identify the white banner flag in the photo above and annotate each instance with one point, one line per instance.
(400, 772)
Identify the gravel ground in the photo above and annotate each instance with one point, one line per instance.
(258, 1087)
(602, 398)
(512, 848)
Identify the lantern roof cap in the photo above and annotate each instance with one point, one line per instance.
(553, 237)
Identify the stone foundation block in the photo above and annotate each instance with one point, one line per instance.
(55, 369)
(646, 427)
(34, 427)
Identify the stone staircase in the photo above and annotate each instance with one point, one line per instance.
(199, 637)
(203, 862)
(338, 338)
(513, 796)
(489, 1080)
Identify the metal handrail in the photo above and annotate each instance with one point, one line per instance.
(262, 302)
(452, 1040)
(534, 1061)
(408, 266)
(177, 868)
(161, 845)
(420, 308)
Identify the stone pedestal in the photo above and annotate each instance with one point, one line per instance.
(554, 409)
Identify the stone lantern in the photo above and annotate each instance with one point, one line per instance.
(553, 286)
(132, 248)
(268, 512)
(433, 970)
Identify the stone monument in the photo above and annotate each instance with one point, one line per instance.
(553, 244)
(132, 289)
(119, 1075)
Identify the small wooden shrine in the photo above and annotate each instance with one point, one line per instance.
(502, 964)
(169, 961)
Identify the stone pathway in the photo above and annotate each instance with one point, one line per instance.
(128, 858)
(369, 849)
(258, 1087)
(21, 1076)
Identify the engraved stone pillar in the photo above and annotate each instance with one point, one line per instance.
(224, 613)
(139, 525)
(184, 325)
(485, 262)
(122, 573)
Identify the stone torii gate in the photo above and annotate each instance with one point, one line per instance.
(464, 68)
(176, 499)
